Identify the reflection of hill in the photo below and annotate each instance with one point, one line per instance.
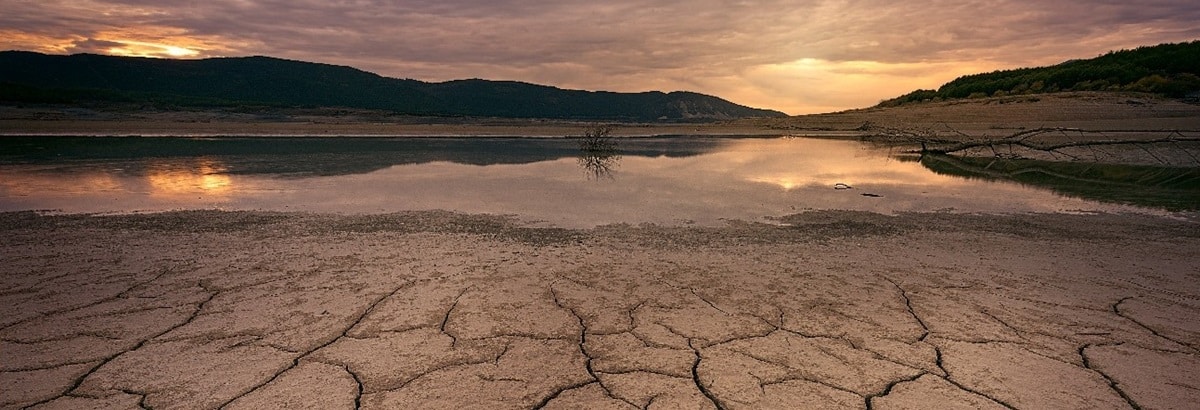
(1160, 187)
(310, 156)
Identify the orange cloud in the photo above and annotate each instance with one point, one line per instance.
(145, 41)
(20, 40)
(798, 56)
(154, 41)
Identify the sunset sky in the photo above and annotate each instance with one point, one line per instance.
(799, 56)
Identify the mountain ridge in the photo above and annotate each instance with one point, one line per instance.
(30, 77)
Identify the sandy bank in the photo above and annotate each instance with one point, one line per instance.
(438, 310)
(1166, 131)
(1002, 116)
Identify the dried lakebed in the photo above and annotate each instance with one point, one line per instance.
(210, 309)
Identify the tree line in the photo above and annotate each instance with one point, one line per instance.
(1171, 70)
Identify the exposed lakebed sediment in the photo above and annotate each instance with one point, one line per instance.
(211, 309)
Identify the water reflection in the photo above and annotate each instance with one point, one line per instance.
(599, 154)
(1173, 188)
(187, 178)
(599, 166)
(682, 180)
(820, 164)
(302, 157)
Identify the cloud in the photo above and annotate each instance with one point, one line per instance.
(92, 45)
(740, 50)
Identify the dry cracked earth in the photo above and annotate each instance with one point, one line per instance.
(437, 310)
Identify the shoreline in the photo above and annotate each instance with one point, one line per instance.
(167, 124)
(794, 226)
(959, 119)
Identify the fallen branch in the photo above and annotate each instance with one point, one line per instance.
(932, 142)
(1021, 139)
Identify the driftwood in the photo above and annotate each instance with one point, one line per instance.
(1021, 139)
(933, 143)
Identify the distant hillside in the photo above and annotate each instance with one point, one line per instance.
(27, 77)
(1171, 70)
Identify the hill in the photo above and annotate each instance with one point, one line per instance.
(1170, 70)
(27, 77)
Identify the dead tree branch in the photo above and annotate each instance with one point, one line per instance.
(932, 142)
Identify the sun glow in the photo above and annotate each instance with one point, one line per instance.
(203, 177)
(785, 182)
(147, 49)
(180, 51)
(146, 41)
(812, 85)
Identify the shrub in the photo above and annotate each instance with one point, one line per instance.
(598, 152)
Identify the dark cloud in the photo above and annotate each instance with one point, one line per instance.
(619, 44)
(93, 46)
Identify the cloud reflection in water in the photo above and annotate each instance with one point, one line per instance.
(661, 181)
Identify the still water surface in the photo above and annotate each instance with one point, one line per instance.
(666, 181)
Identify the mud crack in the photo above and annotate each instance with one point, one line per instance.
(888, 390)
(141, 398)
(437, 369)
(696, 378)
(120, 295)
(709, 302)
(1116, 309)
(909, 306)
(296, 361)
(357, 395)
(79, 381)
(1006, 325)
(949, 379)
(793, 374)
(546, 400)
(937, 351)
(446, 318)
(583, 332)
(1087, 364)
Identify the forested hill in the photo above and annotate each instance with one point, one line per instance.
(27, 77)
(1171, 70)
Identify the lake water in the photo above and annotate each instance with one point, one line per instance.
(676, 181)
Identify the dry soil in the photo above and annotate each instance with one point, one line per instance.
(211, 309)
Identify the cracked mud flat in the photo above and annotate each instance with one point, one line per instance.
(246, 310)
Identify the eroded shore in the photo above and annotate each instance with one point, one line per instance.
(210, 309)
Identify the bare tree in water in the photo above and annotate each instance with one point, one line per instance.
(598, 154)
